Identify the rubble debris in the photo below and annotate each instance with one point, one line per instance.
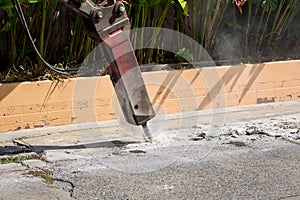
(253, 130)
(295, 130)
(199, 136)
(237, 143)
(272, 128)
(274, 134)
(137, 151)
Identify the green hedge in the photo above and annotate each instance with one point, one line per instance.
(267, 30)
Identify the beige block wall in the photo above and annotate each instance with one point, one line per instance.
(36, 104)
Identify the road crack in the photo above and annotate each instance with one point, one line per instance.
(49, 179)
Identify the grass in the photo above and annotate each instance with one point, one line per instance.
(44, 174)
(47, 176)
(18, 158)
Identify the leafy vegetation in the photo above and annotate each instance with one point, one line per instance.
(267, 30)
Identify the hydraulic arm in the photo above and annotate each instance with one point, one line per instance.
(106, 22)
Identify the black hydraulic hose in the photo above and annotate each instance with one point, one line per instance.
(22, 19)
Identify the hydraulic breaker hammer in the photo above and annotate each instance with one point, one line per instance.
(107, 22)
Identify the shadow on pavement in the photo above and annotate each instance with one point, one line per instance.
(26, 148)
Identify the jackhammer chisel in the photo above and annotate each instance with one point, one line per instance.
(108, 23)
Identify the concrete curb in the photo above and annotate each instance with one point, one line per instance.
(50, 103)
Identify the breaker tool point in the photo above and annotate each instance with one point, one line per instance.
(147, 132)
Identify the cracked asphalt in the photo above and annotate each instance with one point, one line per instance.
(247, 152)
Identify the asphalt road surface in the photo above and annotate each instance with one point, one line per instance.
(241, 156)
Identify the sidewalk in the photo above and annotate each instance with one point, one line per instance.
(110, 129)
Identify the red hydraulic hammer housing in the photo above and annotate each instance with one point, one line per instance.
(107, 22)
